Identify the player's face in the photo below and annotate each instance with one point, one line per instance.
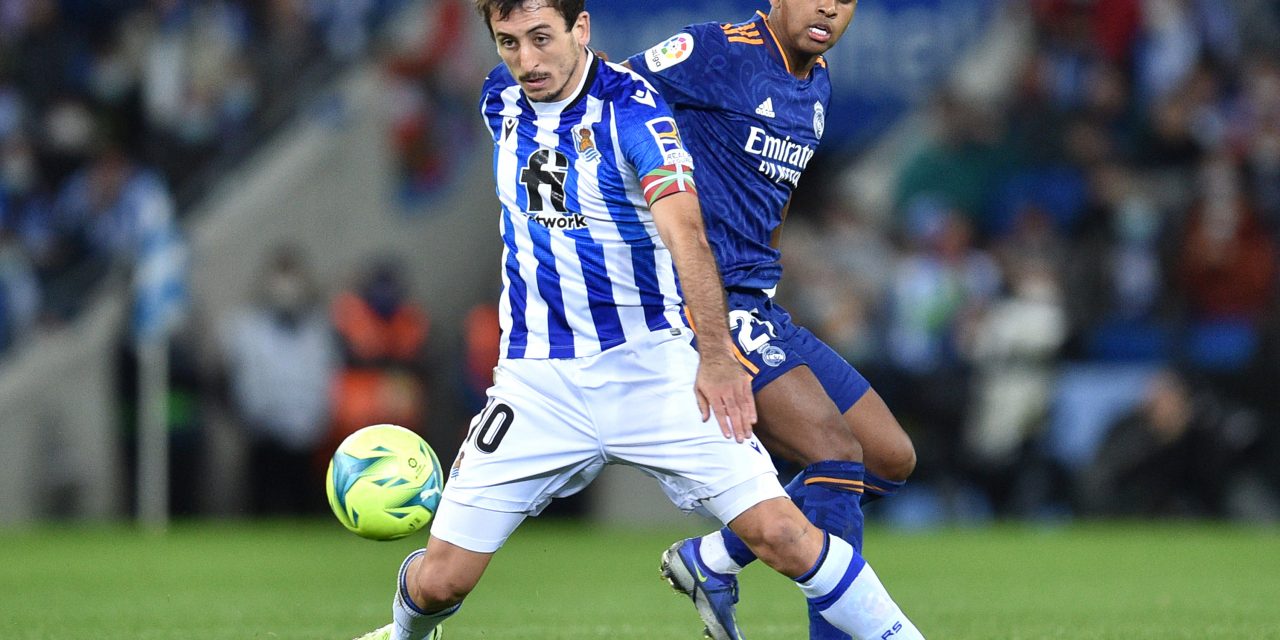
(808, 28)
(544, 56)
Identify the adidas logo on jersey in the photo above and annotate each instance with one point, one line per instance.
(766, 108)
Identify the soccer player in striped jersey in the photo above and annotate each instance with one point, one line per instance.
(752, 100)
(599, 215)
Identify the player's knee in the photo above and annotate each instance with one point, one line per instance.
(777, 538)
(898, 462)
(835, 441)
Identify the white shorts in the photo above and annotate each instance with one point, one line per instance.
(551, 426)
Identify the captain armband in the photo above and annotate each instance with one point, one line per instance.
(666, 180)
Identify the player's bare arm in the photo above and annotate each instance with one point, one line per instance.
(723, 388)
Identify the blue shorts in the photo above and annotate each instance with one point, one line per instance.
(768, 345)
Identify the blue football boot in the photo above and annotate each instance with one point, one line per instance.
(714, 594)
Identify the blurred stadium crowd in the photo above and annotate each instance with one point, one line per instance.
(1070, 301)
(1108, 233)
(115, 114)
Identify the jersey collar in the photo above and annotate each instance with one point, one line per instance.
(584, 87)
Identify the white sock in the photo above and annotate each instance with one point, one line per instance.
(412, 623)
(845, 589)
(715, 556)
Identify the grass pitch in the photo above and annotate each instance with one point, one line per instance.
(571, 581)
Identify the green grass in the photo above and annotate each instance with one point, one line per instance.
(558, 580)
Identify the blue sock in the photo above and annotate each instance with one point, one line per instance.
(831, 497)
(831, 500)
(875, 487)
(828, 494)
(736, 548)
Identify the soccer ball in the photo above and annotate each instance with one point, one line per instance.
(384, 482)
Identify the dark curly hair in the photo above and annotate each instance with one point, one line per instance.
(568, 9)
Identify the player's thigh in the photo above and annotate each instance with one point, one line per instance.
(534, 441)
(795, 378)
(475, 529)
(886, 448)
(798, 421)
(647, 413)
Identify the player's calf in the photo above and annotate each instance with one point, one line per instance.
(837, 581)
(890, 456)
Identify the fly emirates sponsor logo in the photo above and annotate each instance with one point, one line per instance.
(781, 160)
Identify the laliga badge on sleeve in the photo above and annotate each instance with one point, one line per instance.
(669, 53)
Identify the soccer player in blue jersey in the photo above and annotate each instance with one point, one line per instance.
(599, 215)
(751, 100)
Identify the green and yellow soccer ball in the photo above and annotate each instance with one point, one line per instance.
(384, 482)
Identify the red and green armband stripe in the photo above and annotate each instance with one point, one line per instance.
(666, 180)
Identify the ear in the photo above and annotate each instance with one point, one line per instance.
(582, 28)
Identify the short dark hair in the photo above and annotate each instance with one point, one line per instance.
(568, 9)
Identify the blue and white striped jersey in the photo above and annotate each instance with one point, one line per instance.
(583, 266)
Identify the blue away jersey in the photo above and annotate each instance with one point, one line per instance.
(583, 265)
(751, 126)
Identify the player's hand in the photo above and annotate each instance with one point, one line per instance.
(724, 389)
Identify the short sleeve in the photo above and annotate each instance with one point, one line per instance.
(651, 143)
(678, 66)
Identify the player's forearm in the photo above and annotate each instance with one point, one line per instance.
(680, 224)
(703, 292)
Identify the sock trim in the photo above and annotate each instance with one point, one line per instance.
(841, 484)
(404, 586)
(822, 557)
(880, 486)
(855, 567)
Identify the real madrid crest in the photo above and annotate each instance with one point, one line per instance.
(819, 119)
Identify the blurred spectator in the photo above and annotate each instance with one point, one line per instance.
(1226, 275)
(383, 336)
(845, 264)
(1227, 260)
(961, 167)
(1109, 27)
(1116, 280)
(431, 85)
(482, 342)
(1176, 35)
(20, 222)
(1254, 134)
(281, 360)
(1182, 452)
(92, 92)
(19, 291)
(101, 217)
(1013, 346)
(936, 290)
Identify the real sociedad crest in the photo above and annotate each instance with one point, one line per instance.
(819, 119)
